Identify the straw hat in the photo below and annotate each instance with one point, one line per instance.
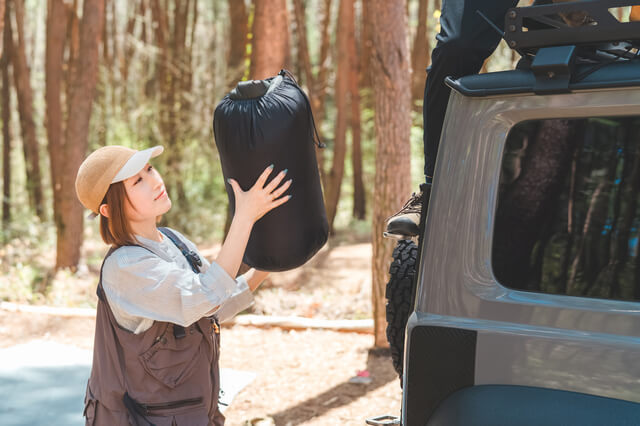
(107, 165)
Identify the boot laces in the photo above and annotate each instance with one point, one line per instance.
(413, 205)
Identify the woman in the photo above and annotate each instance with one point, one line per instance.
(156, 346)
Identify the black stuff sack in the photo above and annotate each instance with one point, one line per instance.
(263, 122)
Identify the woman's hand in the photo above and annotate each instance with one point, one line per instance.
(260, 199)
(255, 277)
(250, 206)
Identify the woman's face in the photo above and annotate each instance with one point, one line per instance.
(147, 195)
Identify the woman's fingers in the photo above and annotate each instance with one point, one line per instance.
(275, 181)
(278, 192)
(235, 186)
(263, 177)
(280, 201)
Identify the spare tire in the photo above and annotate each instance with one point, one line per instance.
(263, 122)
(400, 294)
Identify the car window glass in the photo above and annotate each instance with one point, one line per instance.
(567, 219)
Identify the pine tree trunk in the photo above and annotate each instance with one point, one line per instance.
(169, 69)
(367, 45)
(359, 203)
(334, 176)
(270, 48)
(83, 84)
(391, 77)
(239, 32)
(420, 54)
(2, 13)
(57, 20)
(304, 59)
(125, 63)
(21, 74)
(6, 120)
(319, 90)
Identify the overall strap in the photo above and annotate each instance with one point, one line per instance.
(194, 261)
(100, 290)
(192, 257)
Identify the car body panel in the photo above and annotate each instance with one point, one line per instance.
(561, 342)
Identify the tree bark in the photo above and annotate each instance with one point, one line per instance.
(366, 51)
(335, 175)
(319, 90)
(315, 83)
(359, 199)
(126, 60)
(57, 20)
(391, 77)
(304, 59)
(69, 217)
(2, 13)
(6, 120)
(420, 54)
(239, 33)
(165, 81)
(21, 74)
(270, 45)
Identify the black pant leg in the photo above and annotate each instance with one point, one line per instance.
(464, 42)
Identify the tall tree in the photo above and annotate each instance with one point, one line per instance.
(391, 77)
(174, 78)
(2, 12)
(367, 44)
(21, 74)
(138, 14)
(421, 52)
(6, 120)
(239, 34)
(303, 57)
(68, 147)
(270, 45)
(335, 174)
(316, 82)
(57, 20)
(359, 199)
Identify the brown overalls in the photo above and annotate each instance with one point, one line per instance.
(167, 375)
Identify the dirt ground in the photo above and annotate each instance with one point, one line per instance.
(303, 377)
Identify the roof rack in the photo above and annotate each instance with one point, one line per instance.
(554, 38)
(591, 22)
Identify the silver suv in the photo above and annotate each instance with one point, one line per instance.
(525, 309)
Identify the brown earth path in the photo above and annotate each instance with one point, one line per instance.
(302, 376)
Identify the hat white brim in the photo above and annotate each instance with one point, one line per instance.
(137, 162)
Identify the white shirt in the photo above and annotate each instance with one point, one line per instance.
(156, 283)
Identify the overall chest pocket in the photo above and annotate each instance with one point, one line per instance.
(172, 361)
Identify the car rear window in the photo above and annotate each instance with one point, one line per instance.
(567, 219)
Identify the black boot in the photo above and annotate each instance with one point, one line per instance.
(405, 223)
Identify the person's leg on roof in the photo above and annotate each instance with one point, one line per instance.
(464, 42)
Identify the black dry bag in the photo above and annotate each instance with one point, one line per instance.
(263, 122)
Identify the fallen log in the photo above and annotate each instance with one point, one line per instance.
(284, 322)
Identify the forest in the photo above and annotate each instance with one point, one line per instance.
(80, 74)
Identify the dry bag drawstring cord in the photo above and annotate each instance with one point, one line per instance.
(315, 137)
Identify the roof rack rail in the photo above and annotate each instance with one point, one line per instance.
(590, 22)
(553, 38)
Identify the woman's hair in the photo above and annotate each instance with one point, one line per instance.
(115, 229)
